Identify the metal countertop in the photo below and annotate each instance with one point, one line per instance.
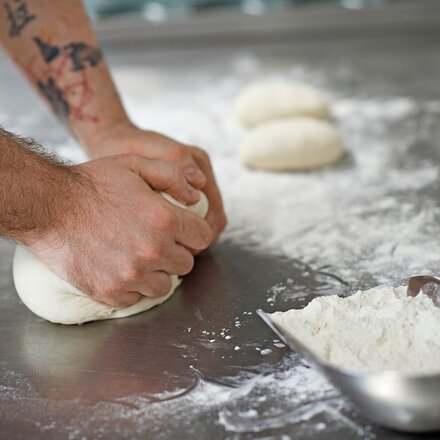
(79, 382)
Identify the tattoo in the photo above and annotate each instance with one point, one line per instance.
(68, 95)
(56, 98)
(48, 51)
(82, 54)
(18, 15)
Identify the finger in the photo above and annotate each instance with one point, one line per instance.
(216, 216)
(123, 299)
(167, 177)
(180, 261)
(193, 173)
(194, 232)
(211, 190)
(166, 148)
(157, 284)
(217, 221)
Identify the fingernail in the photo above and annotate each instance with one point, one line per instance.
(193, 173)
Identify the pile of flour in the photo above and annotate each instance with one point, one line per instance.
(375, 330)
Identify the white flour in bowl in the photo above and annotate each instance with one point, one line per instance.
(376, 330)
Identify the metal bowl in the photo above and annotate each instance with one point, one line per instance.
(390, 399)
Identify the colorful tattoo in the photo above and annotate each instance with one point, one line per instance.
(18, 16)
(68, 95)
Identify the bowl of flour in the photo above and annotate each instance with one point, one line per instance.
(380, 347)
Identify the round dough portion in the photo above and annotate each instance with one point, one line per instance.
(266, 101)
(54, 299)
(292, 144)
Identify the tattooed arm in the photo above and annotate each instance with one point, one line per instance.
(53, 43)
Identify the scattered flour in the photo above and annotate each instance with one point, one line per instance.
(288, 397)
(365, 220)
(376, 330)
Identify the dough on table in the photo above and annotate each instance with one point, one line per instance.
(271, 100)
(292, 144)
(54, 299)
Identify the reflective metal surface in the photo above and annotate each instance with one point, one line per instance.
(136, 378)
(52, 375)
(410, 404)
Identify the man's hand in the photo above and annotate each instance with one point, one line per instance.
(117, 239)
(194, 162)
(67, 68)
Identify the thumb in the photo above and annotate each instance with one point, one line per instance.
(165, 176)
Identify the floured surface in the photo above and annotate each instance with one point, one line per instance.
(371, 219)
(378, 330)
(306, 404)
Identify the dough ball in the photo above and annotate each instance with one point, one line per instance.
(54, 299)
(266, 101)
(292, 144)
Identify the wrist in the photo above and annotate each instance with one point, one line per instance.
(92, 136)
(118, 138)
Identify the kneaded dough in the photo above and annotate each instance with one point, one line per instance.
(292, 144)
(271, 100)
(54, 299)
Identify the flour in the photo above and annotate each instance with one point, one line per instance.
(376, 330)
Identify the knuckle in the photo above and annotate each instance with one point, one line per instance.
(133, 271)
(179, 153)
(168, 219)
(154, 252)
(163, 217)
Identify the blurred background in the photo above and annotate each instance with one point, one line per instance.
(160, 10)
(177, 21)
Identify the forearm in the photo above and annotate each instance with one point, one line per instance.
(54, 45)
(33, 191)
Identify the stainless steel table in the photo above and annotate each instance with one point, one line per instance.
(202, 365)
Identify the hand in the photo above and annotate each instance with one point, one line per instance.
(126, 138)
(117, 239)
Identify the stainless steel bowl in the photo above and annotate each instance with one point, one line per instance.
(410, 404)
